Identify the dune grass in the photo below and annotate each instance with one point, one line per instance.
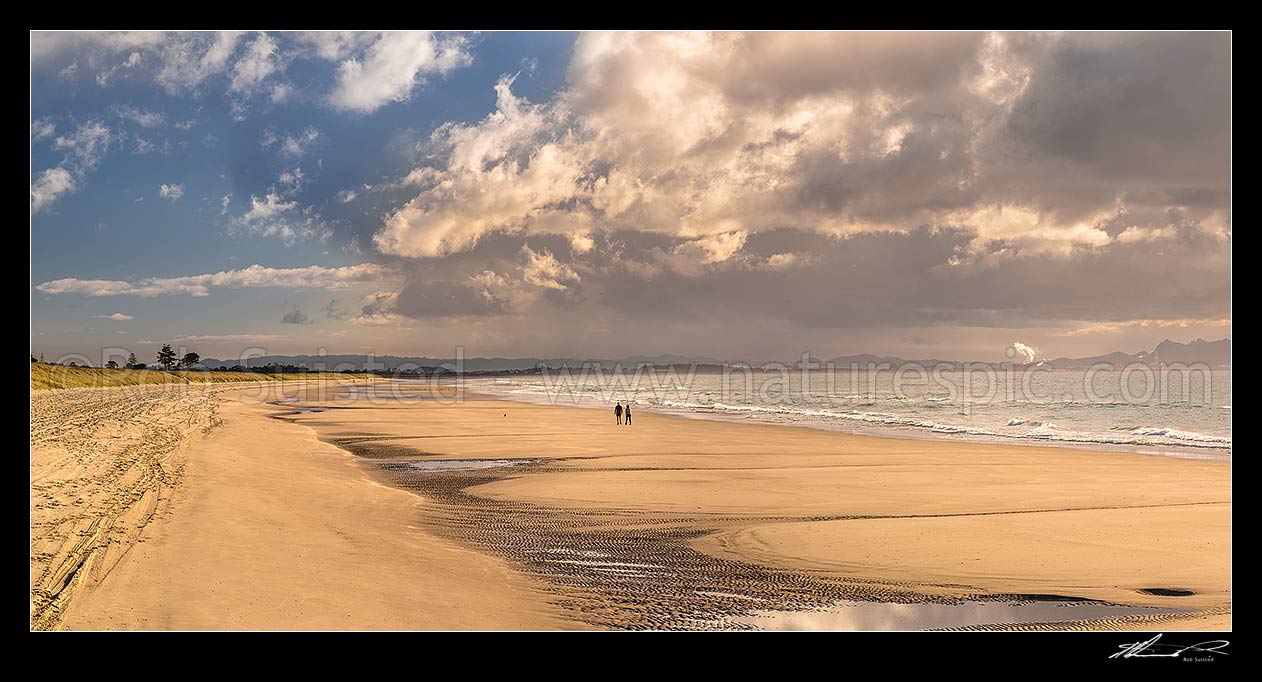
(61, 376)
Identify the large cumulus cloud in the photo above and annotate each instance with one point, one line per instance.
(702, 134)
(836, 181)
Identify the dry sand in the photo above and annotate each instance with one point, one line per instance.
(268, 528)
(102, 461)
(271, 528)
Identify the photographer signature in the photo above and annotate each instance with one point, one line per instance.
(1153, 649)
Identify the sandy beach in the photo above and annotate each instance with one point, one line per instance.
(325, 520)
(263, 528)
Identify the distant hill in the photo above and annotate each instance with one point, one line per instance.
(387, 362)
(1200, 350)
(1115, 358)
(1213, 353)
(393, 362)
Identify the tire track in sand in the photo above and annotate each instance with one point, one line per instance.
(101, 460)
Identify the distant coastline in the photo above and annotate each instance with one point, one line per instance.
(1215, 354)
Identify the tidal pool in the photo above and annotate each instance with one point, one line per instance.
(864, 615)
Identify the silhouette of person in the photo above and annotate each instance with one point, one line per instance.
(627, 412)
(617, 413)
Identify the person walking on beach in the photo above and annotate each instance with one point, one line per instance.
(627, 413)
(617, 413)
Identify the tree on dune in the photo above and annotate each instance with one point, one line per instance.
(132, 362)
(166, 356)
(190, 359)
(111, 365)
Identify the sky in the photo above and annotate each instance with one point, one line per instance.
(743, 196)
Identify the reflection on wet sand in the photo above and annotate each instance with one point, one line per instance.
(658, 526)
(866, 615)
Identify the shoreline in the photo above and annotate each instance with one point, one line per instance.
(1189, 452)
(692, 489)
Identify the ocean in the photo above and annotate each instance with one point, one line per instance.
(1138, 408)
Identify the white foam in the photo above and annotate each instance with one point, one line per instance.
(978, 425)
(1046, 431)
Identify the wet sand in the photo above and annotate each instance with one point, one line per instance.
(668, 524)
(786, 517)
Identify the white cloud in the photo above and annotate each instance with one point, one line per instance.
(542, 269)
(1119, 327)
(373, 68)
(290, 145)
(1134, 234)
(267, 208)
(46, 45)
(281, 93)
(172, 192)
(117, 317)
(707, 136)
(189, 59)
(389, 68)
(310, 277)
(582, 242)
(714, 248)
(103, 78)
(86, 145)
(291, 179)
(346, 196)
(1026, 353)
(259, 61)
(491, 285)
(42, 128)
(504, 173)
(273, 216)
(782, 261)
(230, 338)
(141, 117)
(53, 183)
(334, 45)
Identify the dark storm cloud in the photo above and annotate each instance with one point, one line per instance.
(333, 311)
(771, 66)
(1137, 114)
(1140, 105)
(295, 316)
(923, 277)
(420, 299)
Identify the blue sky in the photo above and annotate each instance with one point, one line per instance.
(748, 196)
(117, 225)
